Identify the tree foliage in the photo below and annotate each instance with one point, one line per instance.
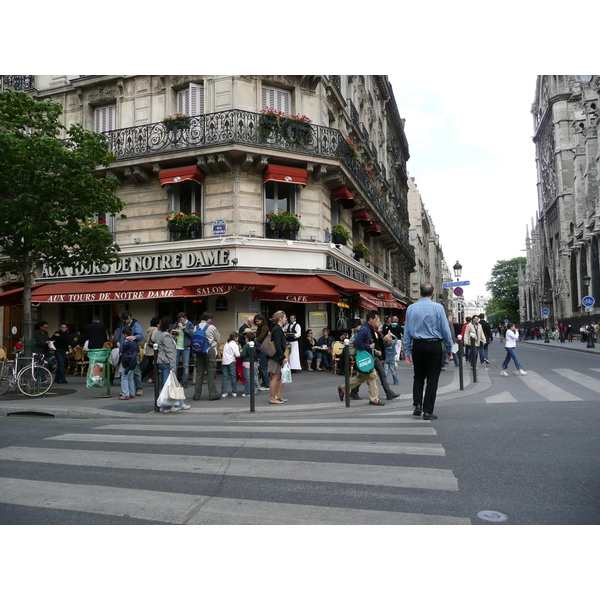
(52, 197)
(504, 287)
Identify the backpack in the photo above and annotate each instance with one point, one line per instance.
(352, 347)
(199, 342)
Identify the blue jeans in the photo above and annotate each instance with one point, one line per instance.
(247, 378)
(264, 373)
(510, 353)
(163, 375)
(61, 364)
(326, 358)
(127, 385)
(185, 353)
(229, 372)
(391, 368)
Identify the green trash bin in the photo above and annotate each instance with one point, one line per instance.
(97, 368)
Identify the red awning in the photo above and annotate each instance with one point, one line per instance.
(371, 302)
(11, 297)
(297, 288)
(117, 290)
(285, 175)
(373, 230)
(345, 198)
(225, 282)
(354, 287)
(363, 217)
(179, 174)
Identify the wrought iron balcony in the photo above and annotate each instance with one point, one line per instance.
(256, 129)
(19, 83)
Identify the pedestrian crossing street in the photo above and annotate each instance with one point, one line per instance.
(368, 468)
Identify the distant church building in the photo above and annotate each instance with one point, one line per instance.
(562, 247)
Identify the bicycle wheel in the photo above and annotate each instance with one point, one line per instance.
(6, 376)
(34, 382)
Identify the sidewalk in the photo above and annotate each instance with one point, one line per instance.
(307, 392)
(577, 346)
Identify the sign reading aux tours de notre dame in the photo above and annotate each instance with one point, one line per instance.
(159, 264)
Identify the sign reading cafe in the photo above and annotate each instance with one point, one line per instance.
(147, 263)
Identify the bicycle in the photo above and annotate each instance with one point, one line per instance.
(33, 379)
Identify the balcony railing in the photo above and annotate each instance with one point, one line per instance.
(19, 83)
(242, 127)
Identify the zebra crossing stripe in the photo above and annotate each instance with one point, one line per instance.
(330, 472)
(181, 509)
(248, 427)
(287, 444)
(542, 386)
(503, 397)
(585, 380)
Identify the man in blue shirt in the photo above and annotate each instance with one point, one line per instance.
(425, 330)
(364, 341)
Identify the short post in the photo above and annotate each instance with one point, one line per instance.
(156, 385)
(107, 375)
(252, 383)
(347, 370)
(474, 357)
(460, 362)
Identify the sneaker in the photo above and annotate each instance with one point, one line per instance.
(139, 393)
(504, 373)
(223, 395)
(184, 407)
(521, 372)
(264, 389)
(309, 369)
(167, 409)
(341, 393)
(319, 369)
(245, 395)
(234, 394)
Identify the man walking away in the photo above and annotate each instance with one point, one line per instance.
(425, 330)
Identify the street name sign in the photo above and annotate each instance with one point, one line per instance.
(455, 284)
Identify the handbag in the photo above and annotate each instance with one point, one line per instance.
(268, 346)
(176, 391)
(365, 361)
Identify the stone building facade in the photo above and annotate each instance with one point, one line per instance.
(429, 257)
(562, 243)
(332, 149)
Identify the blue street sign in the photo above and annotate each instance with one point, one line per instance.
(588, 301)
(458, 291)
(219, 227)
(455, 284)
(545, 312)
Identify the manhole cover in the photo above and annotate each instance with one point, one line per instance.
(493, 516)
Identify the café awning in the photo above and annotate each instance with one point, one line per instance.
(179, 174)
(297, 288)
(285, 174)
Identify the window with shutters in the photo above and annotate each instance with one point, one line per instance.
(280, 197)
(277, 98)
(190, 100)
(105, 118)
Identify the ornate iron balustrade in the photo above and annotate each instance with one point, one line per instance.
(19, 83)
(242, 127)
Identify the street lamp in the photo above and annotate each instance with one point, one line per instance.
(457, 270)
(590, 340)
(544, 302)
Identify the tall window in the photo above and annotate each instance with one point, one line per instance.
(277, 98)
(280, 196)
(105, 118)
(190, 100)
(187, 197)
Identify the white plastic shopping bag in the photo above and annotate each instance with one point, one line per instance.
(163, 398)
(286, 373)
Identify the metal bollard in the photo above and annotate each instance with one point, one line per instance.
(252, 398)
(347, 370)
(474, 357)
(156, 390)
(460, 362)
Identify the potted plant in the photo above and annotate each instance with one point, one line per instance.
(283, 222)
(291, 128)
(339, 235)
(299, 129)
(184, 224)
(269, 122)
(361, 251)
(353, 150)
(177, 121)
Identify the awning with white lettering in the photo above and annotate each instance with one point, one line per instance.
(225, 282)
(285, 174)
(368, 297)
(179, 174)
(297, 288)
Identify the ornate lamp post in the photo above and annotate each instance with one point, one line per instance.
(457, 270)
(590, 331)
(545, 302)
(459, 305)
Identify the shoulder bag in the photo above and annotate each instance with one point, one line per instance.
(268, 346)
(365, 361)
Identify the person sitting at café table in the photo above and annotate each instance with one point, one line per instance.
(324, 351)
(307, 345)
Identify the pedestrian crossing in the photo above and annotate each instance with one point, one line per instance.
(355, 470)
(569, 386)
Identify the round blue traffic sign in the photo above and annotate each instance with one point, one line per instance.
(587, 301)
(545, 312)
(458, 291)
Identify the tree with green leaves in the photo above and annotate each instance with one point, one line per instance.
(504, 287)
(52, 195)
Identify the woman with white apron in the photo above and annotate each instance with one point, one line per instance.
(293, 331)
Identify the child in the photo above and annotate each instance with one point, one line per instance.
(130, 353)
(389, 364)
(231, 351)
(250, 336)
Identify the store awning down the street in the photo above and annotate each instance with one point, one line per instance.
(368, 297)
(297, 288)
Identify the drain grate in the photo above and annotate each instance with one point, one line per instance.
(493, 516)
(31, 413)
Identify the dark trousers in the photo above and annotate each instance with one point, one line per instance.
(427, 364)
